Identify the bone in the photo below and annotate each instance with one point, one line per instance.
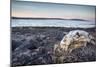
(73, 40)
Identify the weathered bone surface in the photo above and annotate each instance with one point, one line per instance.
(74, 39)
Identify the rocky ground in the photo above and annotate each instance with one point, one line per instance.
(34, 46)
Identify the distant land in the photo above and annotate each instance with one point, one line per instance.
(47, 18)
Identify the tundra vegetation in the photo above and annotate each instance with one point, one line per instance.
(52, 45)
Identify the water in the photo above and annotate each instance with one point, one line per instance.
(51, 23)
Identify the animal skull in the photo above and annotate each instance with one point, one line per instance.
(75, 39)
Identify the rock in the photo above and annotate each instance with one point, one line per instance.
(42, 37)
(15, 44)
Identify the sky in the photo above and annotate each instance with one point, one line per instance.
(33, 9)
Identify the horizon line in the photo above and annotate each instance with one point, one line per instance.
(49, 18)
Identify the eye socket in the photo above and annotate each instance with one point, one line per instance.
(77, 35)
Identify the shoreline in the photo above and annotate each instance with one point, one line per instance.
(51, 28)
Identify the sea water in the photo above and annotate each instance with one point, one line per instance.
(51, 23)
